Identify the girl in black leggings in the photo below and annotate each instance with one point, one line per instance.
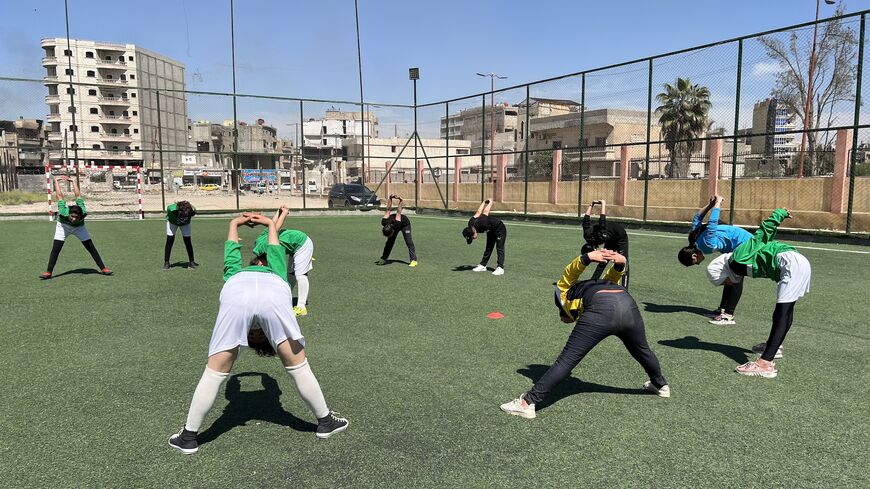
(601, 308)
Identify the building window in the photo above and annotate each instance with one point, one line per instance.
(114, 147)
(109, 77)
(392, 149)
(462, 151)
(132, 94)
(114, 131)
(324, 142)
(73, 128)
(70, 91)
(121, 59)
(91, 74)
(94, 110)
(92, 92)
(125, 114)
(127, 131)
(67, 52)
(557, 144)
(111, 112)
(129, 58)
(74, 145)
(135, 112)
(132, 77)
(89, 54)
(68, 71)
(600, 141)
(135, 147)
(135, 131)
(95, 128)
(108, 58)
(96, 146)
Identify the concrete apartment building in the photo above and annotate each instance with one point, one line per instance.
(116, 104)
(771, 116)
(380, 153)
(22, 154)
(322, 138)
(468, 125)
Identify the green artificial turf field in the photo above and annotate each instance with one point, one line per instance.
(98, 371)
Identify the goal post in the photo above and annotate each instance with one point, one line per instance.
(105, 188)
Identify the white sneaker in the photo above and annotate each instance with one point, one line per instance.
(723, 319)
(498, 271)
(663, 391)
(516, 408)
(479, 268)
(759, 348)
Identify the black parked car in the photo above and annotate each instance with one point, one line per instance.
(352, 195)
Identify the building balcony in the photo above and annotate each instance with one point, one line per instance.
(55, 136)
(111, 81)
(47, 42)
(52, 117)
(115, 137)
(52, 99)
(49, 61)
(115, 119)
(113, 101)
(116, 154)
(50, 79)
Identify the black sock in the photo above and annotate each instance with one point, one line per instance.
(188, 243)
(89, 245)
(186, 434)
(55, 252)
(167, 251)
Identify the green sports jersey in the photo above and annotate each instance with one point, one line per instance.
(63, 212)
(172, 215)
(761, 250)
(275, 256)
(290, 239)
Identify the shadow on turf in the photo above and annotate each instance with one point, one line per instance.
(259, 405)
(78, 271)
(464, 268)
(178, 264)
(671, 308)
(390, 261)
(571, 386)
(735, 353)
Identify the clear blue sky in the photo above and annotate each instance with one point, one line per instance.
(306, 48)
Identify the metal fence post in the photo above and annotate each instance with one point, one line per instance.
(160, 146)
(483, 149)
(526, 132)
(581, 144)
(857, 121)
(447, 156)
(736, 129)
(302, 152)
(649, 91)
(417, 174)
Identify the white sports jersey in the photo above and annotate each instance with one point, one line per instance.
(254, 299)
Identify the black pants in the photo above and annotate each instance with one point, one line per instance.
(495, 239)
(409, 242)
(170, 240)
(783, 316)
(620, 247)
(608, 314)
(88, 244)
(731, 296)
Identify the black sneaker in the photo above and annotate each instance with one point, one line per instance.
(166, 266)
(330, 424)
(192, 265)
(184, 441)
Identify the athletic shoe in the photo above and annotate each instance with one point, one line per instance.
(381, 262)
(753, 369)
(498, 271)
(166, 266)
(759, 348)
(413, 263)
(45, 275)
(106, 271)
(663, 391)
(184, 441)
(723, 319)
(331, 424)
(479, 268)
(300, 311)
(516, 408)
(192, 265)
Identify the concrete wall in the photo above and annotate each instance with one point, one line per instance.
(673, 200)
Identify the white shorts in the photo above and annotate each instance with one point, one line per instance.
(794, 277)
(301, 263)
(171, 229)
(61, 231)
(254, 299)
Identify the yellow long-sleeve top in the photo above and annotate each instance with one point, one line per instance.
(573, 308)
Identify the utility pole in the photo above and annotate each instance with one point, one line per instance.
(492, 77)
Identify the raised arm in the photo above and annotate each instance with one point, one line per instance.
(602, 217)
(281, 215)
(76, 190)
(480, 209)
(702, 212)
(713, 222)
(399, 209)
(389, 207)
(233, 232)
(57, 189)
(767, 231)
(487, 207)
(265, 221)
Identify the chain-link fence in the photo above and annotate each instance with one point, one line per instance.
(771, 119)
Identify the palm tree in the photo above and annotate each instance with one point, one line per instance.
(683, 116)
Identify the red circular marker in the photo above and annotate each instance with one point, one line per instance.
(495, 315)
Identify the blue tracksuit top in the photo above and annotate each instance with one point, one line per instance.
(718, 237)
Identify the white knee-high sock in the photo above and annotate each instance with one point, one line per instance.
(302, 290)
(203, 397)
(308, 388)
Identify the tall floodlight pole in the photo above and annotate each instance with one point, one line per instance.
(492, 77)
(808, 109)
(362, 106)
(414, 75)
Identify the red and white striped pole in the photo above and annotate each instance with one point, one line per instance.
(139, 191)
(48, 191)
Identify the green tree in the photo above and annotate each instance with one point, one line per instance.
(540, 164)
(683, 116)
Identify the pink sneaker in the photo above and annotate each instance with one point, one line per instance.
(753, 369)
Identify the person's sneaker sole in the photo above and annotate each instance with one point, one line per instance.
(521, 414)
(186, 451)
(766, 375)
(324, 436)
(722, 322)
(663, 393)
